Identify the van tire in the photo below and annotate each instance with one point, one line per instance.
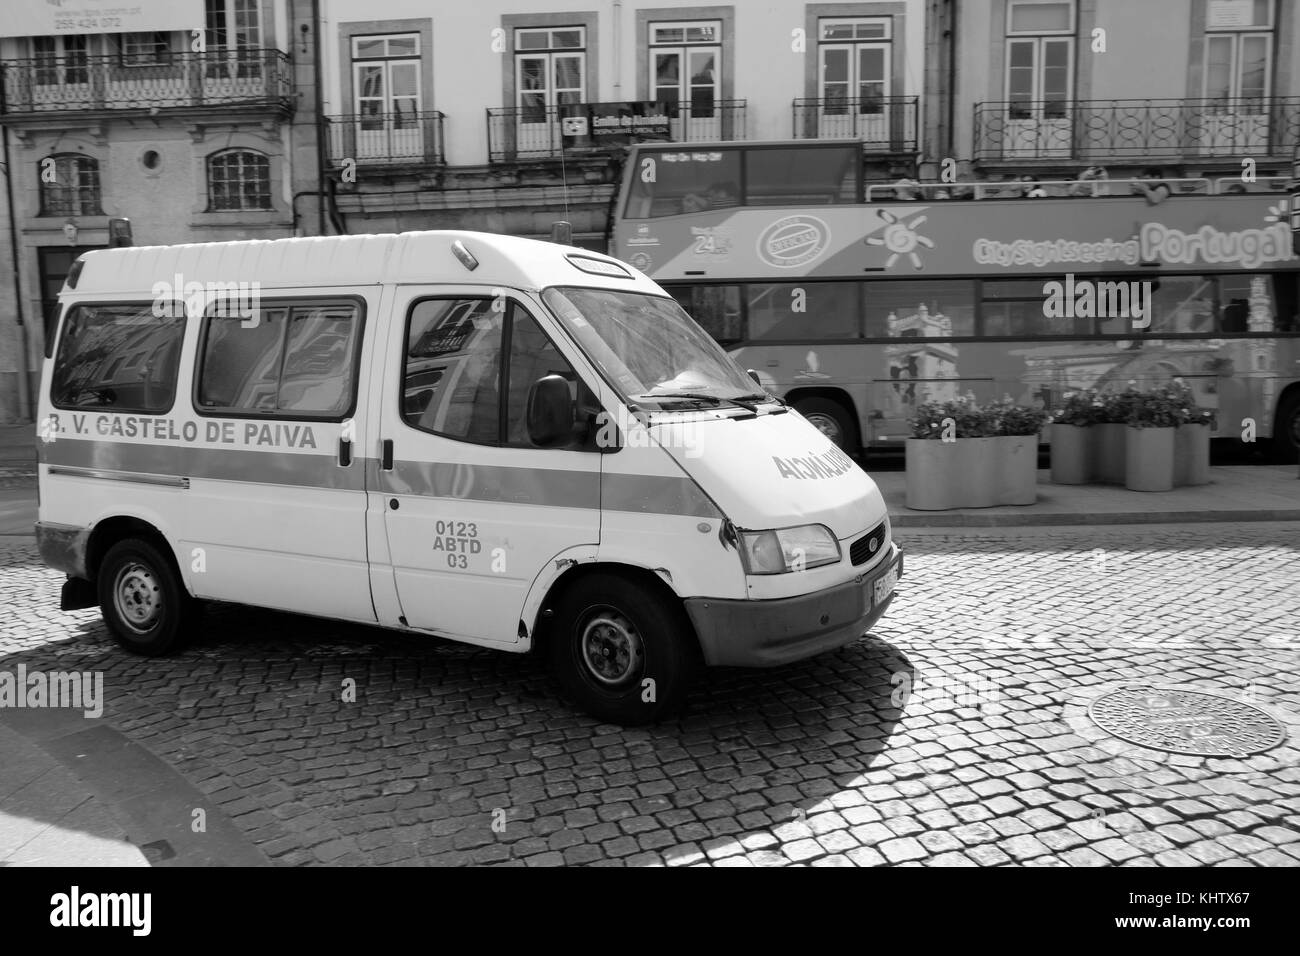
(829, 418)
(611, 636)
(142, 599)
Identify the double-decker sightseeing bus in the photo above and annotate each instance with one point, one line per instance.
(855, 302)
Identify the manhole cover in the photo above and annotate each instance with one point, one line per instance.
(1186, 722)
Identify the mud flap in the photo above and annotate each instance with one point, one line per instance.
(77, 593)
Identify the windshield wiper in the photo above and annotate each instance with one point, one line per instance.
(781, 407)
(714, 399)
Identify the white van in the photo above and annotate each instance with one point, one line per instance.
(511, 443)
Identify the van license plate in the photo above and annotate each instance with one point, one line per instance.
(885, 585)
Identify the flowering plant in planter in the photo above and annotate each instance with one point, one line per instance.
(1117, 407)
(968, 420)
(929, 420)
(1081, 409)
(984, 455)
(1018, 420)
(1165, 407)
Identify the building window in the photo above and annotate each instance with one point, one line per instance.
(1040, 44)
(234, 38)
(686, 66)
(70, 187)
(550, 71)
(386, 78)
(854, 65)
(1238, 55)
(61, 60)
(143, 49)
(238, 179)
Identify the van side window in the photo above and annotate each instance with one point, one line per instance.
(119, 357)
(451, 381)
(287, 359)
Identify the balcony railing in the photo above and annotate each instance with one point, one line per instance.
(226, 78)
(527, 133)
(883, 124)
(387, 139)
(1135, 131)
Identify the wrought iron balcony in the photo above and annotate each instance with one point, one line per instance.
(538, 133)
(229, 78)
(387, 139)
(1136, 131)
(883, 124)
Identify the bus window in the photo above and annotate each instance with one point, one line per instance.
(1017, 307)
(1181, 305)
(1269, 295)
(682, 182)
(929, 308)
(808, 310)
(715, 307)
(799, 176)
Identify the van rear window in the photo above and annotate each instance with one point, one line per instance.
(121, 356)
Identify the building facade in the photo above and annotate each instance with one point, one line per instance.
(181, 116)
(463, 118)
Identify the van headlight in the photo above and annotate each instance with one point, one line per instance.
(788, 549)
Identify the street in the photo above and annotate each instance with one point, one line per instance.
(955, 734)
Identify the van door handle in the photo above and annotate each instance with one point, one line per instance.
(345, 452)
(387, 463)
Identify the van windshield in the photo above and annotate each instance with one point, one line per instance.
(651, 350)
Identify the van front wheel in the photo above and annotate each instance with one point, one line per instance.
(620, 652)
(142, 598)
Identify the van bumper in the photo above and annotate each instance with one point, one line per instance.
(768, 633)
(63, 547)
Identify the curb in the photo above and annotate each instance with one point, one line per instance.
(946, 520)
(143, 791)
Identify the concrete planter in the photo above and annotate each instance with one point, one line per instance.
(1149, 459)
(933, 473)
(1072, 457)
(1109, 454)
(1192, 455)
(1017, 464)
(971, 472)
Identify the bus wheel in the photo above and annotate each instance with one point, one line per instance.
(1286, 430)
(828, 417)
(620, 652)
(142, 598)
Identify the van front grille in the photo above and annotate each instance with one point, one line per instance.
(868, 546)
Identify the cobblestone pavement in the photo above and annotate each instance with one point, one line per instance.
(950, 736)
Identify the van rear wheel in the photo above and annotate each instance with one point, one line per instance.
(623, 654)
(142, 598)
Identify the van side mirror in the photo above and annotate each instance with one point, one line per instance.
(549, 412)
(754, 375)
